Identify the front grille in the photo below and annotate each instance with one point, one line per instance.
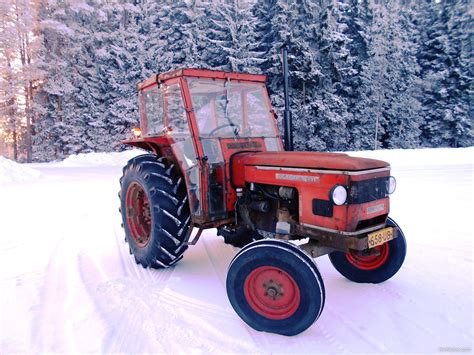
(368, 190)
(371, 222)
(322, 208)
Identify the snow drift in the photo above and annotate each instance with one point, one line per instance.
(100, 159)
(11, 171)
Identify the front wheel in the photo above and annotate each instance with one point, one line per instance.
(376, 266)
(275, 287)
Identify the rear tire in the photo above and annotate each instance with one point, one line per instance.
(275, 287)
(155, 211)
(375, 268)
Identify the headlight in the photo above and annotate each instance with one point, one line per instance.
(338, 195)
(391, 185)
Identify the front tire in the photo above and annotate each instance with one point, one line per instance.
(275, 287)
(375, 268)
(155, 211)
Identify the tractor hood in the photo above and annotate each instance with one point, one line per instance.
(309, 160)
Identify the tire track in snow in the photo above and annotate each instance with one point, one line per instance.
(391, 291)
(48, 331)
(194, 310)
(377, 346)
(122, 329)
(140, 317)
(176, 299)
(11, 245)
(220, 262)
(415, 321)
(385, 288)
(121, 245)
(332, 340)
(132, 269)
(172, 301)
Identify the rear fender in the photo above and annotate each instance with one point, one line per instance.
(156, 146)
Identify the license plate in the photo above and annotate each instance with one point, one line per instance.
(381, 236)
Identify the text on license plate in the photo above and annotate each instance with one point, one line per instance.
(380, 237)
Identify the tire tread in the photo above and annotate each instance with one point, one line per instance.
(165, 191)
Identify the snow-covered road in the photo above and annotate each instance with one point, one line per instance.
(68, 284)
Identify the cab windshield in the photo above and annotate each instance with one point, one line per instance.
(231, 109)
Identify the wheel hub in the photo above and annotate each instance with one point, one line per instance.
(272, 292)
(138, 214)
(371, 259)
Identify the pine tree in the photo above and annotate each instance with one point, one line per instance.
(10, 124)
(305, 72)
(218, 34)
(248, 57)
(273, 31)
(94, 105)
(119, 66)
(173, 34)
(447, 77)
(333, 89)
(61, 129)
(20, 36)
(388, 109)
(356, 16)
(403, 111)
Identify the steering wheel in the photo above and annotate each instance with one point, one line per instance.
(220, 127)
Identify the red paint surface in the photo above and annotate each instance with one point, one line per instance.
(256, 290)
(313, 160)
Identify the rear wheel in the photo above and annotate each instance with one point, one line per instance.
(275, 287)
(155, 211)
(374, 265)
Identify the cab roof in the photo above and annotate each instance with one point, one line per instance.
(200, 73)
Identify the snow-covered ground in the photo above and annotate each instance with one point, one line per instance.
(68, 284)
(11, 171)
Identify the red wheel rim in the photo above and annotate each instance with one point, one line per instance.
(369, 262)
(138, 214)
(272, 292)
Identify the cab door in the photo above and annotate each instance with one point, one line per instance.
(183, 146)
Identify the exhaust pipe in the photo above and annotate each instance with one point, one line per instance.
(288, 133)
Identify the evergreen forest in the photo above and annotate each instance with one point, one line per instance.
(364, 74)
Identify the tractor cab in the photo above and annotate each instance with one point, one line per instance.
(200, 119)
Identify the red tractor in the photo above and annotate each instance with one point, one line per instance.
(216, 160)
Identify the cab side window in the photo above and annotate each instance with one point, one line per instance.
(177, 120)
(153, 102)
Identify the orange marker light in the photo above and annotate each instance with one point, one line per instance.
(168, 131)
(137, 132)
